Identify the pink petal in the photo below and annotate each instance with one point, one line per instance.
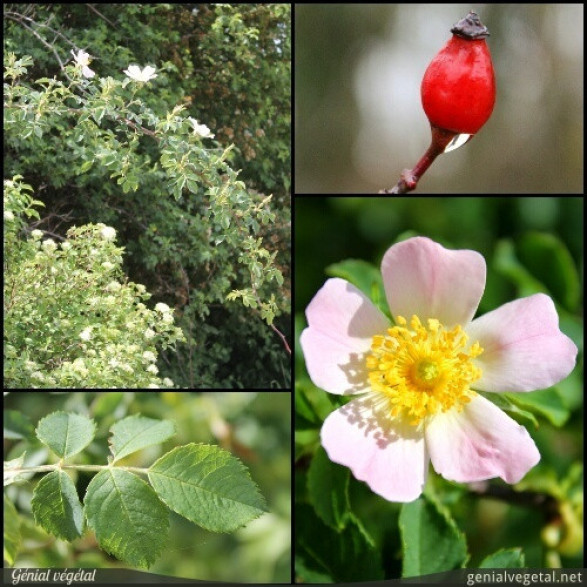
(523, 348)
(480, 442)
(421, 277)
(342, 322)
(390, 457)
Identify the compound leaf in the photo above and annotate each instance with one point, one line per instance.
(65, 434)
(125, 513)
(208, 486)
(137, 432)
(56, 506)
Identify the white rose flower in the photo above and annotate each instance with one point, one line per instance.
(160, 307)
(86, 333)
(49, 244)
(167, 319)
(108, 233)
(200, 129)
(82, 59)
(145, 75)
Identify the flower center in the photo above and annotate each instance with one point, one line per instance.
(423, 370)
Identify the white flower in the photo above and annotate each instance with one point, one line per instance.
(82, 59)
(36, 233)
(86, 333)
(108, 266)
(168, 382)
(160, 307)
(200, 129)
(8, 215)
(167, 318)
(149, 333)
(49, 244)
(149, 356)
(108, 233)
(145, 75)
(152, 369)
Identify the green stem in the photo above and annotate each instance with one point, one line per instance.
(96, 468)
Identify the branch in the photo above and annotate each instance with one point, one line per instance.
(91, 7)
(544, 502)
(410, 177)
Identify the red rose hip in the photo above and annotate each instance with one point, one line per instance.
(458, 89)
(458, 95)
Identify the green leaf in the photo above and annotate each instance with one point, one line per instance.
(546, 402)
(56, 506)
(65, 434)
(506, 558)
(506, 263)
(11, 531)
(328, 485)
(327, 556)
(18, 425)
(208, 486)
(431, 541)
(550, 261)
(125, 513)
(502, 401)
(137, 432)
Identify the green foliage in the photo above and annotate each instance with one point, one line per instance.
(71, 319)
(506, 558)
(203, 483)
(129, 520)
(124, 153)
(328, 486)
(431, 540)
(326, 556)
(135, 433)
(66, 434)
(207, 486)
(11, 532)
(56, 506)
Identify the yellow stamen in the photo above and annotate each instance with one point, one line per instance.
(423, 370)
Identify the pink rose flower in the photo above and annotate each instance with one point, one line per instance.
(416, 380)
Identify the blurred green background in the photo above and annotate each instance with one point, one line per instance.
(530, 245)
(359, 117)
(253, 426)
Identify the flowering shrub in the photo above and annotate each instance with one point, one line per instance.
(123, 151)
(71, 318)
